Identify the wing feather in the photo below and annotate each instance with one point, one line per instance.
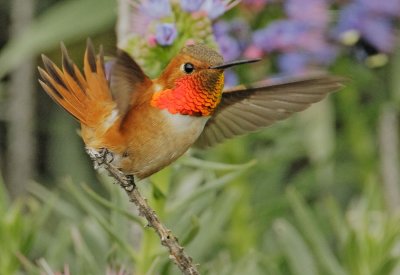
(247, 109)
(127, 81)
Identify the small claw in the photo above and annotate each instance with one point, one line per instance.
(105, 155)
(130, 183)
(129, 188)
(100, 157)
(108, 157)
(127, 181)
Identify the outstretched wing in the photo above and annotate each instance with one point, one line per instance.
(247, 109)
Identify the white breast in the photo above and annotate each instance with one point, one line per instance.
(185, 123)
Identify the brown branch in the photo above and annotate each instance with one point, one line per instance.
(176, 251)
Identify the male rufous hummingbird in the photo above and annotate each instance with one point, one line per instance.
(146, 124)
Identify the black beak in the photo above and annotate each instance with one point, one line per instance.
(233, 63)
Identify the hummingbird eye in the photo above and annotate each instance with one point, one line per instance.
(188, 68)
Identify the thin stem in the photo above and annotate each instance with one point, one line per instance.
(176, 251)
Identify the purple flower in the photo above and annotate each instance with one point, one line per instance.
(350, 17)
(240, 30)
(279, 35)
(156, 9)
(302, 42)
(166, 34)
(376, 29)
(229, 47)
(324, 55)
(230, 78)
(386, 7)
(140, 23)
(314, 12)
(380, 33)
(221, 28)
(191, 5)
(311, 40)
(214, 8)
(232, 37)
(293, 62)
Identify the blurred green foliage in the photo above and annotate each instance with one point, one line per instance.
(313, 202)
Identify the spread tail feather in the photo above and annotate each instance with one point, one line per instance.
(86, 97)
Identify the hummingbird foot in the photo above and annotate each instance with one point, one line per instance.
(101, 158)
(129, 183)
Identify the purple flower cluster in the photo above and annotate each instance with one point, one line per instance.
(212, 8)
(145, 14)
(156, 9)
(148, 12)
(305, 38)
(166, 34)
(191, 5)
(232, 37)
(372, 20)
(301, 38)
(154, 19)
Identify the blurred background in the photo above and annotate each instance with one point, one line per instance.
(315, 194)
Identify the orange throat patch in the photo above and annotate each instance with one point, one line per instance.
(190, 97)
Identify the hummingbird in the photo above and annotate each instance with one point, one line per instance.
(146, 124)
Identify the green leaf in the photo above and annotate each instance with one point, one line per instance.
(199, 163)
(313, 235)
(83, 251)
(213, 222)
(157, 193)
(298, 254)
(104, 202)
(211, 186)
(62, 206)
(192, 232)
(99, 215)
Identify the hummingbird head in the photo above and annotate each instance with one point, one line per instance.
(193, 81)
(192, 64)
